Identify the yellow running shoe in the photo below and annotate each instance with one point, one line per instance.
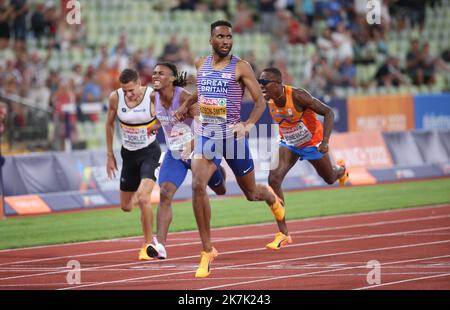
(206, 258)
(279, 241)
(143, 253)
(278, 209)
(344, 178)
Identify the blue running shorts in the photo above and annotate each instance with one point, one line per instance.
(236, 153)
(174, 171)
(307, 152)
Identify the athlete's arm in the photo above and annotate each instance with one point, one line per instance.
(192, 111)
(303, 100)
(111, 165)
(188, 101)
(153, 129)
(245, 74)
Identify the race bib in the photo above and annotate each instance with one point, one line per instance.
(213, 110)
(297, 135)
(180, 135)
(134, 138)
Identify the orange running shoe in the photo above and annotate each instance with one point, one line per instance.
(344, 178)
(279, 241)
(206, 258)
(143, 253)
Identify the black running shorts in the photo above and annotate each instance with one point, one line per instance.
(138, 165)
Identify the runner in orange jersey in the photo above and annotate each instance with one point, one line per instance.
(301, 134)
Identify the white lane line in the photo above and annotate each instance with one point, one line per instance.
(380, 223)
(319, 272)
(266, 262)
(382, 212)
(239, 251)
(403, 281)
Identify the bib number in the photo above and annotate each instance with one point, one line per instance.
(134, 137)
(179, 136)
(297, 135)
(213, 110)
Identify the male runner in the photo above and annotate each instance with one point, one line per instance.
(166, 98)
(140, 151)
(302, 136)
(221, 80)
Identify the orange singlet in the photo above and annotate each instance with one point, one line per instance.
(298, 129)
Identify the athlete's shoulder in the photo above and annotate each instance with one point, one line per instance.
(242, 62)
(113, 100)
(300, 92)
(149, 89)
(244, 69)
(114, 95)
(199, 62)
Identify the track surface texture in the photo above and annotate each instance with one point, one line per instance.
(398, 249)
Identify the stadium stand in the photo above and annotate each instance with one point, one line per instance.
(63, 64)
(56, 78)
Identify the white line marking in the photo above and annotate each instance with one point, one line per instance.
(317, 272)
(240, 226)
(266, 262)
(402, 281)
(236, 238)
(238, 251)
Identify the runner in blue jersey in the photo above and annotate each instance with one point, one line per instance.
(166, 98)
(221, 81)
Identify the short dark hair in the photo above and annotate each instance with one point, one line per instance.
(180, 77)
(275, 72)
(128, 75)
(220, 23)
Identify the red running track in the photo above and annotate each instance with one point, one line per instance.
(412, 247)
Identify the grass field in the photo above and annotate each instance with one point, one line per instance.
(18, 232)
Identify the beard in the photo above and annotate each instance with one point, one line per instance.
(221, 53)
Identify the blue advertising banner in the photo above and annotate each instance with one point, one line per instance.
(432, 111)
(339, 106)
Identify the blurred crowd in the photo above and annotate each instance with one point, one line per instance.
(337, 28)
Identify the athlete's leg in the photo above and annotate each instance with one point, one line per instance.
(202, 170)
(253, 191)
(326, 170)
(143, 196)
(171, 176)
(218, 181)
(286, 160)
(164, 217)
(127, 201)
(129, 181)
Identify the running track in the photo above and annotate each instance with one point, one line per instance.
(412, 246)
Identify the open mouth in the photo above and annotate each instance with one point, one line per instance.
(157, 83)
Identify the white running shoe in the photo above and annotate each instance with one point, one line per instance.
(162, 254)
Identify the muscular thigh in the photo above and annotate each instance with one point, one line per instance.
(323, 166)
(202, 169)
